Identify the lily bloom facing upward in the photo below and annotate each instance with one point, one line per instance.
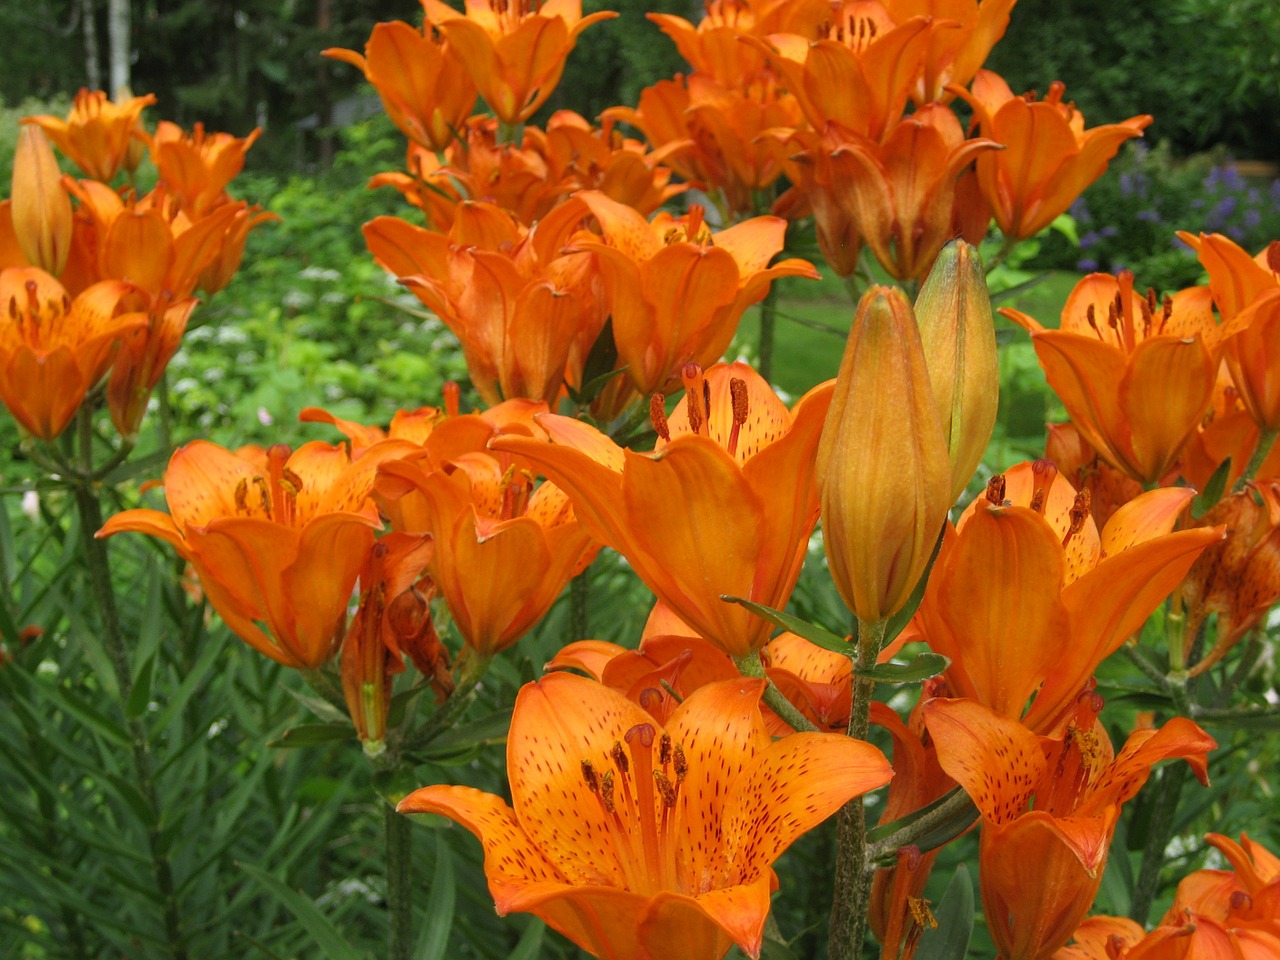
(628, 838)
(53, 348)
(725, 504)
(1049, 808)
(277, 550)
(96, 133)
(1114, 354)
(514, 50)
(1049, 157)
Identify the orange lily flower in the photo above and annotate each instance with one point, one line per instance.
(1239, 578)
(391, 613)
(1049, 158)
(1027, 597)
(724, 505)
(1109, 489)
(954, 55)
(1101, 938)
(41, 209)
(718, 133)
(1114, 353)
(861, 72)
(1049, 802)
(277, 551)
(714, 48)
(198, 167)
(54, 348)
(1188, 937)
(676, 291)
(621, 168)
(96, 133)
(422, 83)
(627, 837)
(514, 50)
(902, 189)
(1236, 279)
(883, 465)
(1250, 891)
(503, 549)
(526, 314)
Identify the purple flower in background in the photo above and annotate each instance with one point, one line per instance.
(1217, 218)
(1150, 216)
(1108, 231)
(1088, 239)
(1231, 178)
(1079, 210)
(1126, 184)
(1252, 218)
(1274, 194)
(1087, 266)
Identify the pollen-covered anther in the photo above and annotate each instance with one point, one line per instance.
(590, 777)
(680, 764)
(664, 749)
(1273, 256)
(921, 915)
(1241, 902)
(995, 490)
(658, 416)
(738, 397)
(618, 755)
(606, 792)
(1079, 514)
(1043, 473)
(697, 398)
(666, 789)
(452, 395)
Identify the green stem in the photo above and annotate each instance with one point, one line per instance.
(510, 133)
(579, 602)
(1159, 831)
(1253, 649)
(768, 323)
(1266, 440)
(750, 665)
(948, 817)
(853, 871)
(98, 562)
(1135, 655)
(1230, 715)
(471, 667)
(399, 837)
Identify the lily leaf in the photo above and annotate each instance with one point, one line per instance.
(310, 734)
(949, 940)
(922, 667)
(802, 628)
(1213, 491)
(928, 838)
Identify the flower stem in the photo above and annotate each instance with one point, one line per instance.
(750, 665)
(1159, 831)
(98, 563)
(1266, 440)
(579, 602)
(399, 839)
(471, 667)
(768, 323)
(853, 871)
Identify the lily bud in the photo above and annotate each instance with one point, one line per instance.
(883, 472)
(959, 338)
(41, 208)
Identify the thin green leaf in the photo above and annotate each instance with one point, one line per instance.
(949, 940)
(306, 913)
(86, 714)
(809, 631)
(922, 667)
(530, 943)
(1213, 490)
(140, 695)
(320, 708)
(898, 622)
(439, 919)
(310, 734)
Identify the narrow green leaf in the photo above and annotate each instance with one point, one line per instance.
(811, 632)
(898, 622)
(439, 919)
(1213, 490)
(140, 695)
(86, 714)
(922, 667)
(306, 913)
(191, 682)
(949, 940)
(939, 835)
(320, 708)
(488, 731)
(309, 734)
(530, 943)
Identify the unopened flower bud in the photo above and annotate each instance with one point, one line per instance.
(959, 338)
(883, 471)
(41, 208)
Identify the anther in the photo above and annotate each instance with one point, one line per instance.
(452, 395)
(1273, 256)
(589, 775)
(619, 757)
(1079, 514)
(1043, 473)
(606, 791)
(738, 397)
(995, 490)
(666, 789)
(664, 749)
(658, 416)
(696, 399)
(680, 764)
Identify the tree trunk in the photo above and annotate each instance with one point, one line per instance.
(92, 68)
(118, 37)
